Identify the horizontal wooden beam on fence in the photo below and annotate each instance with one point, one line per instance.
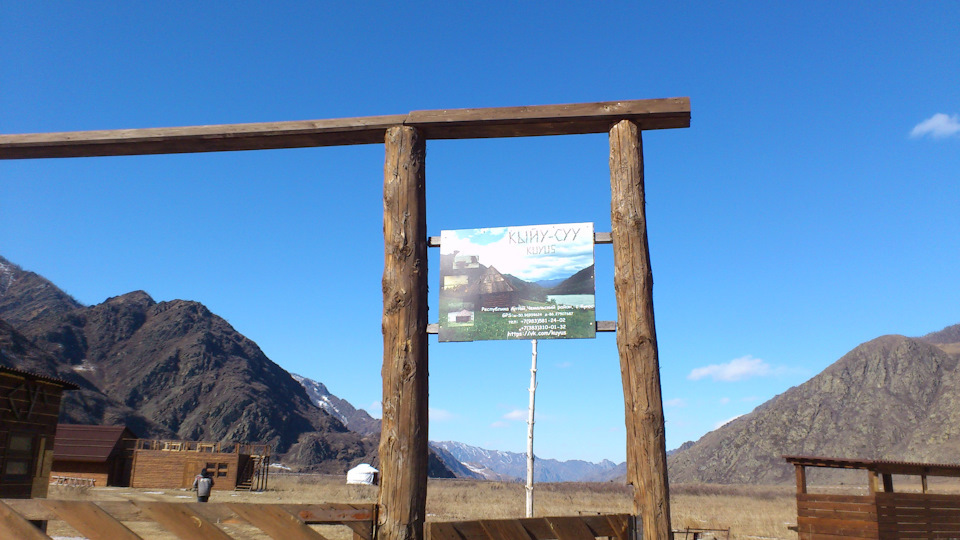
(570, 119)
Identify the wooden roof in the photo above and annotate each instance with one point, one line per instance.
(94, 444)
(569, 119)
(42, 378)
(877, 465)
(491, 282)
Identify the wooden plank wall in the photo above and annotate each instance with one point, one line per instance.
(173, 469)
(616, 526)
(832, 517)
(28, 407)
(918, 515)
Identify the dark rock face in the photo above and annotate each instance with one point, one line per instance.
(893, 398)
(168, 369)
(26, 297)
(88, 405)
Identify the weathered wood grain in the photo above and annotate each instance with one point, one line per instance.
(276, 522)
(636, 333)
(403, 437)
(13, 525)
(539, 528)
(90, 520)
(568, 119)
(182, 521)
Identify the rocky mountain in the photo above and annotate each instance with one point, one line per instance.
(579, 283)
(357, 420)
(87, 405)
(177, 365)
(512, 466)
(893, 398)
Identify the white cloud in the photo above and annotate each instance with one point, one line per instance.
(499, 424)
(375, 409)
(516, 414)
(440, 415)
(735, 370)
(724, 401)
(937, 126)
(719, 425)
(676, 402)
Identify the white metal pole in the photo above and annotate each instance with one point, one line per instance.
(533, 390)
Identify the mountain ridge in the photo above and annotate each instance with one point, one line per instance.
(889, 398)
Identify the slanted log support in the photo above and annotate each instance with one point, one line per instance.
(636, 334)
(403, 438)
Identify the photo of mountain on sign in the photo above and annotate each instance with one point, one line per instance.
(528, 282)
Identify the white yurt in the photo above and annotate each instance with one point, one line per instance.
(363, 474)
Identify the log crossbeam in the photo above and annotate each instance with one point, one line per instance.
(572, 119)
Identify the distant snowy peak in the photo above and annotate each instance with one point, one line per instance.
(513, 465)
(357, 420)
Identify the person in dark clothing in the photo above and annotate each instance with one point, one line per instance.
(203, 484)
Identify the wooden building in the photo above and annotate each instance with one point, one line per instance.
(29, 408)
(881, 513)
(493, 290)
(175, 464)
(100, 455)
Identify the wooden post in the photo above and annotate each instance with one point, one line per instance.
(403, 437)
(873, 481)
(636, 334)
(801, 479)
(923, 483)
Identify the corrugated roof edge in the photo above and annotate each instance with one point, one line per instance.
(52, 380)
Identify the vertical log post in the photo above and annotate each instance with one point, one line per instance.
(873, 481)
(801, 479)
(403, 438)
(636, 335)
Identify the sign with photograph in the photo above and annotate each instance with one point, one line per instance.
(529, 282)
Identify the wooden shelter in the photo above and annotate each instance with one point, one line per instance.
(492, 290)
(882, 513)
(29, 409)
(175, 464)
(403, 438)
(101, 455)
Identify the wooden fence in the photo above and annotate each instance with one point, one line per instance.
(619, 526)
(881, 515)
(918, 515)
(188, 521)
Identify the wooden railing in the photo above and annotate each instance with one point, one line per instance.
(196, 446)
(189, 521)
(619, 526)
(72, 481)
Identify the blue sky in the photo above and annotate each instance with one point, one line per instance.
(811, 206)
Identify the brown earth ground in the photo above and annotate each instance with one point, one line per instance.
(749, 512)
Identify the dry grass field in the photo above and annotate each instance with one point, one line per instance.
(749, 512)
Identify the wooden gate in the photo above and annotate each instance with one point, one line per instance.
(189, 521)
